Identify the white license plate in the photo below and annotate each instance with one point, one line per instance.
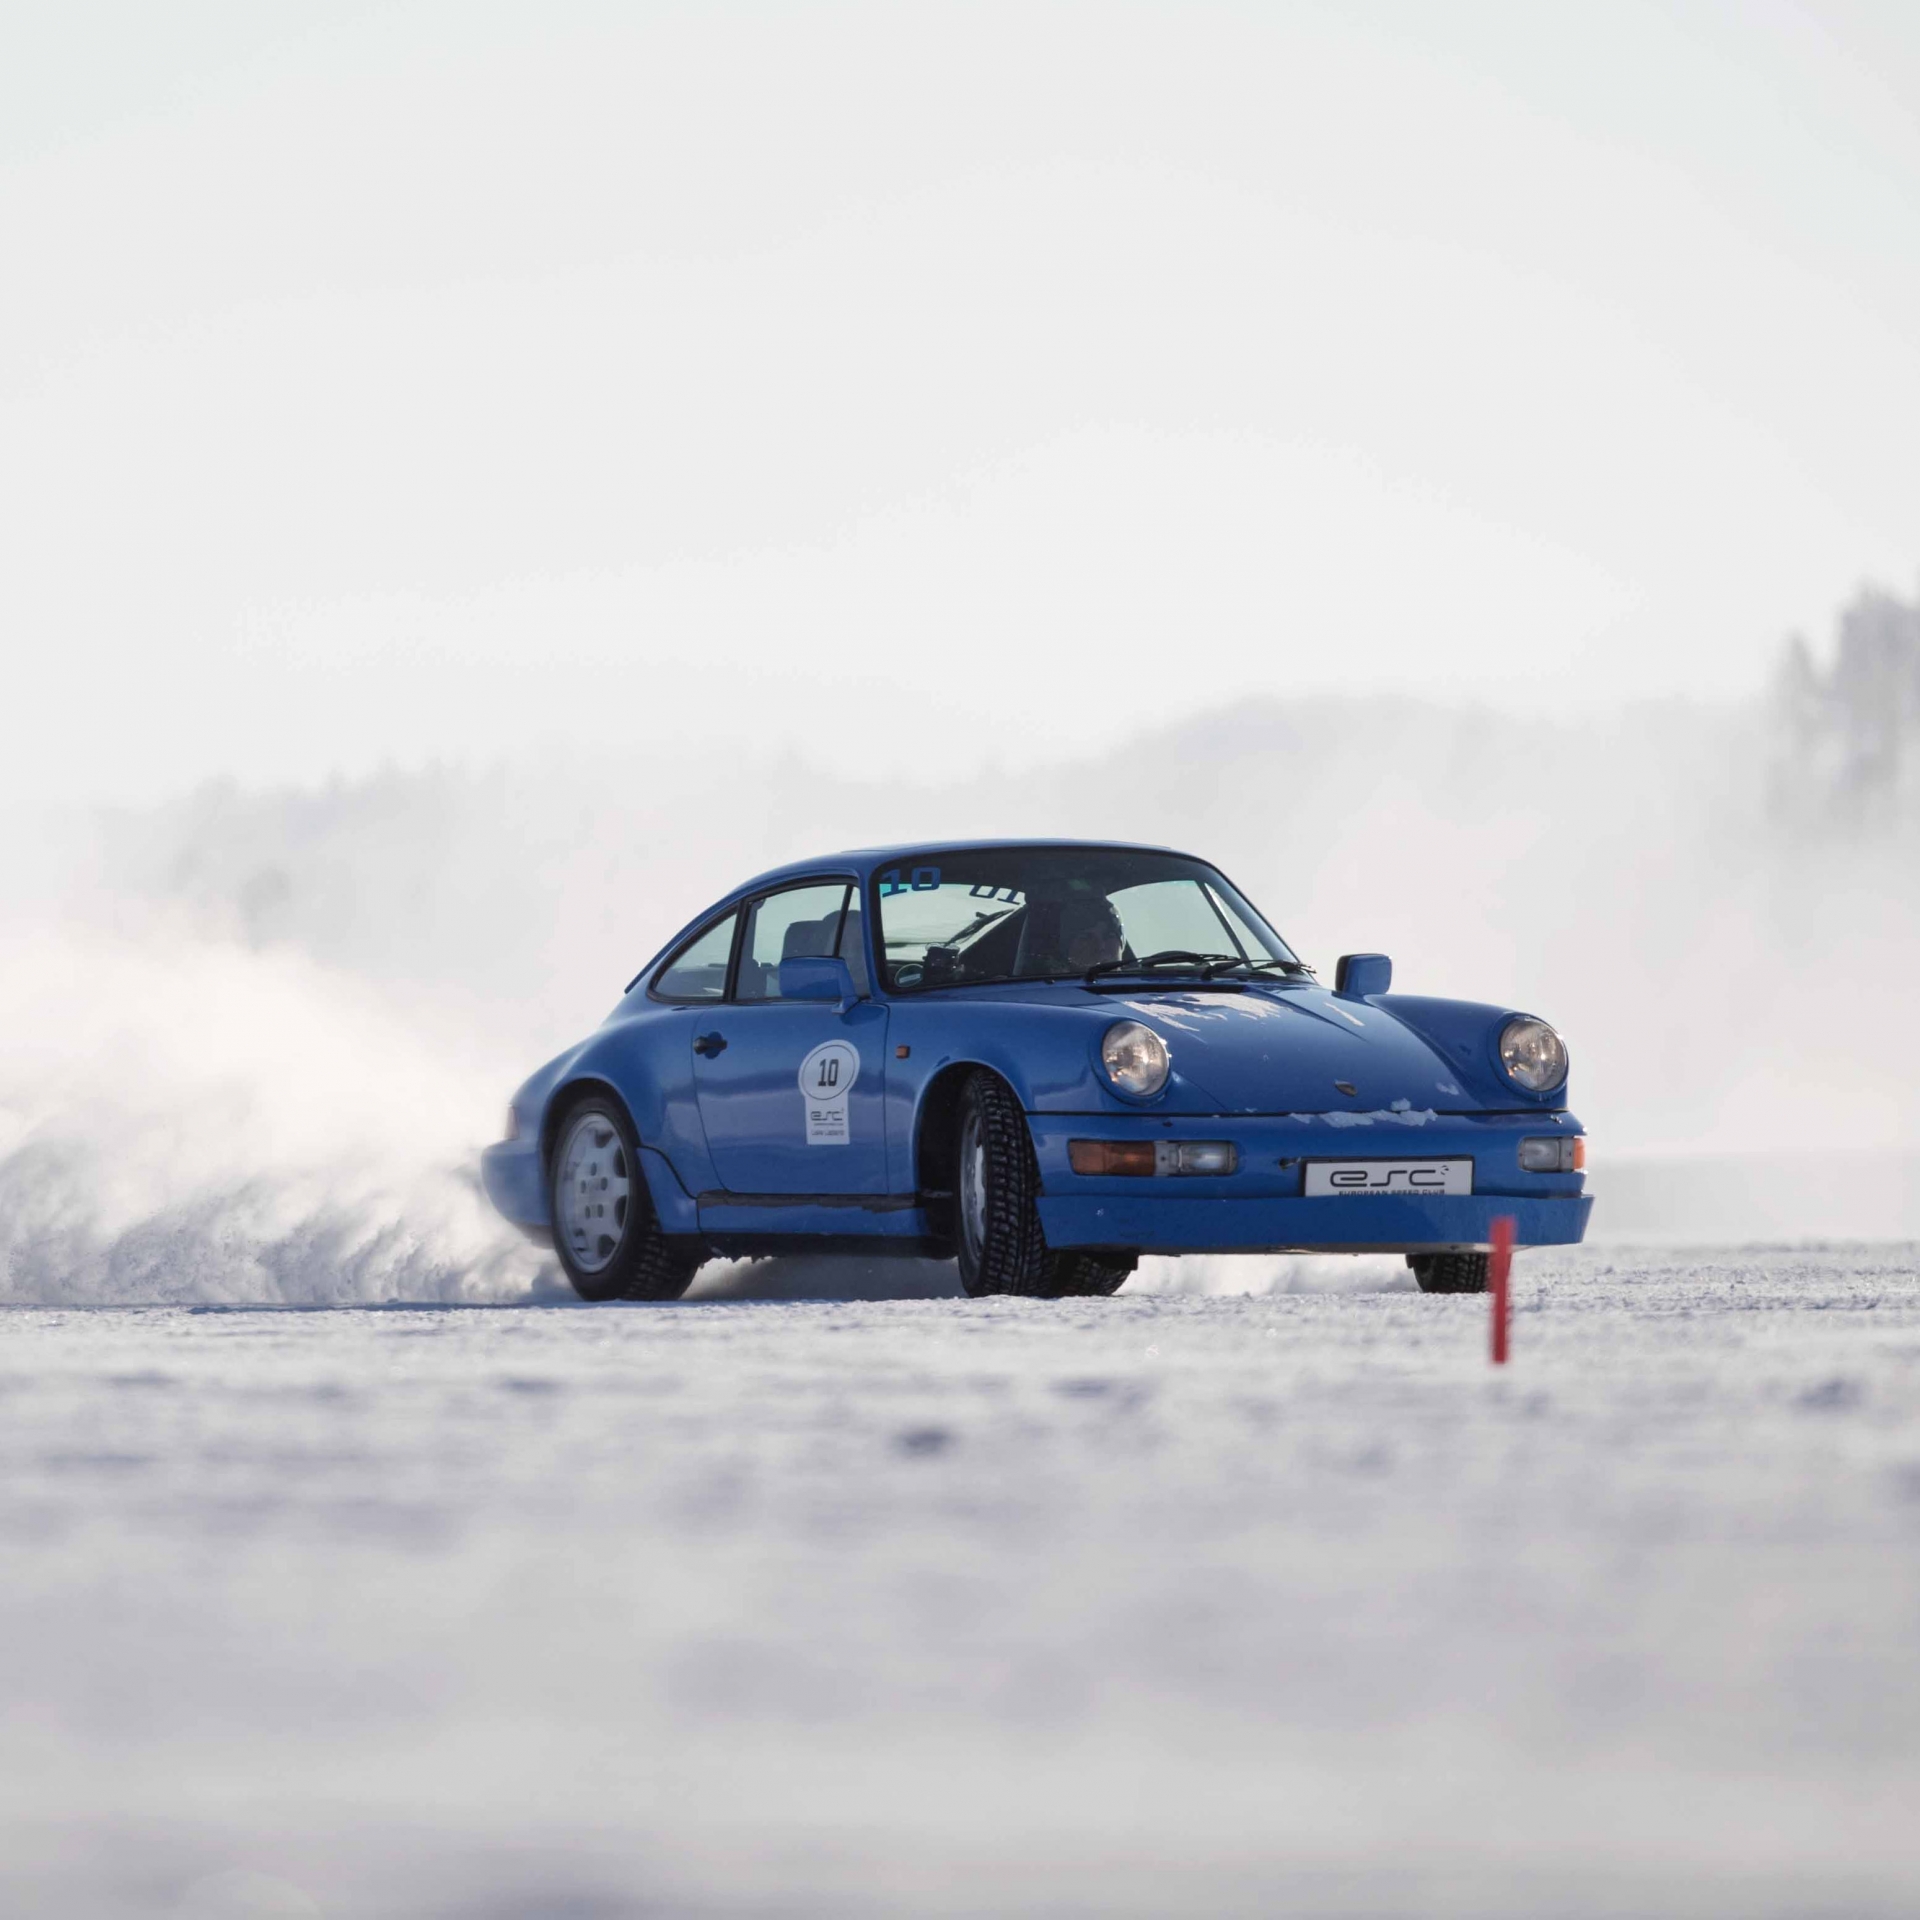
(1337, 1178)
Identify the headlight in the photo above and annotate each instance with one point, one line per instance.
(1135, 1058)
(1534, 1056)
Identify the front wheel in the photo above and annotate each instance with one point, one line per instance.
(1449, 1272)
(604, 1227)
(997, 1185)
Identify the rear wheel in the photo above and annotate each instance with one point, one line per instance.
(1449, 1272)
(604, 1227)
(996, 1185)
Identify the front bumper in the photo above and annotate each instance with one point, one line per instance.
(1261, 1207)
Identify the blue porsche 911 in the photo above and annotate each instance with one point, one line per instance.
(1040, 1058)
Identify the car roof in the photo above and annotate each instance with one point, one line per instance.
(865, 860)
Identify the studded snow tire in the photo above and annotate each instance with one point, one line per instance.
(1449, 1272)
(604, 1226)
(996, 1186)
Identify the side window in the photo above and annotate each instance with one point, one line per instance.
(699, 970)
(783, 926)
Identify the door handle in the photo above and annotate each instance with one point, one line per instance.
(709, 1043)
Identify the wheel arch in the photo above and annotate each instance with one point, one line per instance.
(563, 1099)
(936, 1138)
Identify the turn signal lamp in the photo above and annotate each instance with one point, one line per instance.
(1562, 1153)
(1110, 1156)
(1149, 1157)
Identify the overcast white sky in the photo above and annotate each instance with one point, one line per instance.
(913, 385)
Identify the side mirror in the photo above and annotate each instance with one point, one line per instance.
(817, 977)
(1356, 976)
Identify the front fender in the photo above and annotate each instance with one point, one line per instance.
(1463, 1033)
(1048, 1055)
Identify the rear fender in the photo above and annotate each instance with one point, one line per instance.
(647, 1064)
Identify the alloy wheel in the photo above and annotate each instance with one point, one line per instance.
(592, 1185)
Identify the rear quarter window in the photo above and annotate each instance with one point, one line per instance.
(698, 971)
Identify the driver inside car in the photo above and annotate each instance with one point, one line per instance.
(1090, 933)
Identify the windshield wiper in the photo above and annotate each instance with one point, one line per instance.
(1289, 967)
(1167, 957)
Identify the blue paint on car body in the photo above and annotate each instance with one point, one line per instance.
(924, 975)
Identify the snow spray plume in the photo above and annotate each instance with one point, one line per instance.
(255, 1039)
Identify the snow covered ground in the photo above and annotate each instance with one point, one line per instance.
(1175, 1603)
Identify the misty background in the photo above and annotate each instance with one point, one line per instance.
(475, 483)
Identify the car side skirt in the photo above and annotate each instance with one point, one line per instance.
(860, 1220)
(863, 1246)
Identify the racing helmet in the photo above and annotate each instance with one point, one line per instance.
(1090, 930)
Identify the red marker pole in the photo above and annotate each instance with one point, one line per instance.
(1499, 1267)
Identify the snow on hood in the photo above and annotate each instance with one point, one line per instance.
(1287, 1051)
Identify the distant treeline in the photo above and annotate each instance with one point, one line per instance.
(1847, 740)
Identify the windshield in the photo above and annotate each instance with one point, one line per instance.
(1050, 913)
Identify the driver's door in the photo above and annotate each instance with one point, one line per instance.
(792, 1092)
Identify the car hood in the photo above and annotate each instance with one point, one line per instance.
(1288, 1051)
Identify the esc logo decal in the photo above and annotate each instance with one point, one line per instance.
(827, 1075)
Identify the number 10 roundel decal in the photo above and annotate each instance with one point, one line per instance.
(827, 1075)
